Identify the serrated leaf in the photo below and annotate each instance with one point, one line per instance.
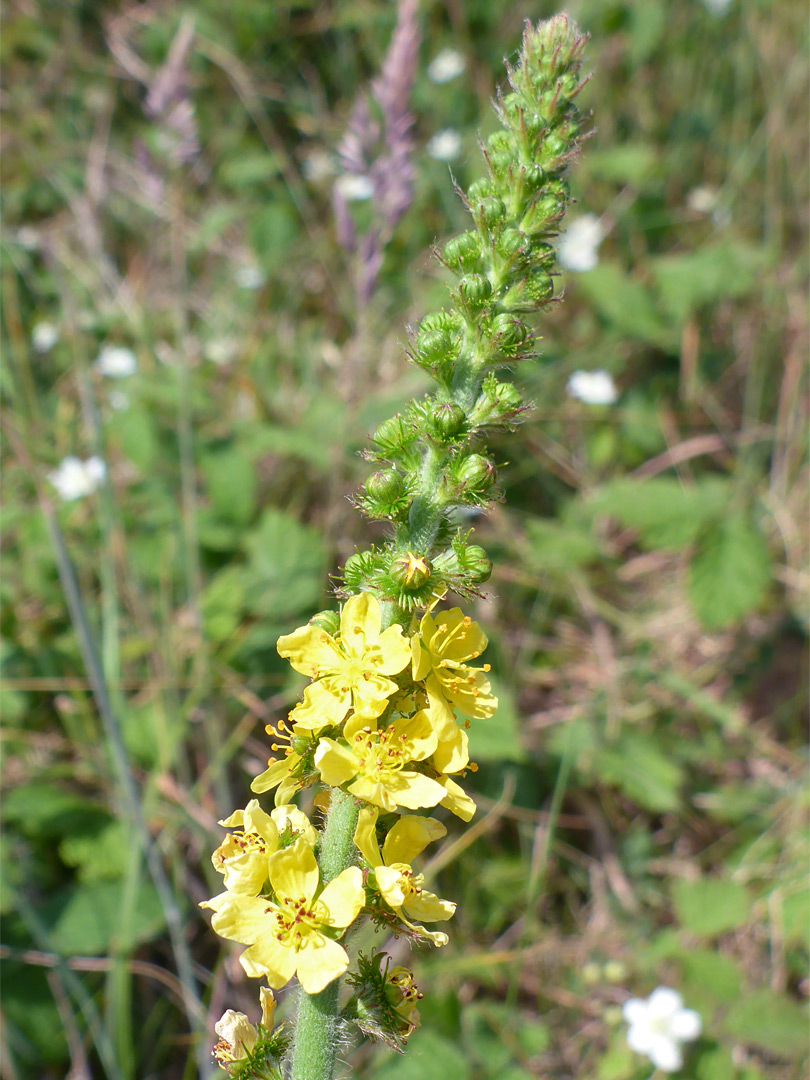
(769, 1020)
(86, 920)
(664, 512)
(715, 1064)
(644, 772)
(730, 573)
(709, 972)
(231, 483)
(285, 574)
(709, 906)
(627, 304)
(695, 278)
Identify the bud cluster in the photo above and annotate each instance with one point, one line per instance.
(432, 458)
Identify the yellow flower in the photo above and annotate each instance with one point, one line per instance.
(376, 762)
(290, 934)
(456, 799)
(350, 670)
(243, 857)
(439, 654)
(237, 1036)
(399, 886)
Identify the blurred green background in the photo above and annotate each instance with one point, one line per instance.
(643, 805)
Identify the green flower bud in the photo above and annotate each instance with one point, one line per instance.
(327, 620)
(463, 252)
(410, 571)
(533, 177)
(446, 420)
(476, 474)
(479, 190)
(490, 212)
(440, 320)
(358, 568)
(538, 287)
(498, 403)
(475, 563)
(393, 435)
(543, 254)
(474, 290)
(510, 334)
(501, 161)
(553, 146)
(385, 486)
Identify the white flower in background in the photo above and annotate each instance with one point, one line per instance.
(220, 350)
(354, 187)
(593, 387)
(319, 165)
(28, 238)
(445, 145)
(44, 336)
(116, 362)
(658, 1026)
(76, 478)
(578, 246)
(250, 277)
(717, 7)
(706, 200)
(447, 65)
(119, 401)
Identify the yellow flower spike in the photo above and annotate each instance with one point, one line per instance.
(237, 1036)
(376, 762)
(352, 670)
(289, 934)
(398, 885)
(439, 653)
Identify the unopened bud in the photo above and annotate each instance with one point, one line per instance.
(385, 486)
(410, 571)
(475, 562)
(463, 252)
(474, 291)
(327, 620)
(476, 474)
(446, 420)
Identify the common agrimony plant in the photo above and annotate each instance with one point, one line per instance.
(382, 724)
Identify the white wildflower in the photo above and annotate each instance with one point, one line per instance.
(658, 1026)
(119, 401)
(28, 238)
(447, 65)
(44, 336)
(250, 276)
(593, 387)
(319, 165)
(354, 187)
(578, 246)
(717, 7)
(76, 478)
(445, 145)
(116, 362)
(220, 350)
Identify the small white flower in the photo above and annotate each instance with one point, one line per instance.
(220, 350)
(28, 238)
(445, 145)
(578, 246)
(593, 387)
(354, 187)
(44, 336)
(319, 165)
(119, 401)
(76, 478)
(717, 7)
(250, 277)
(658, 1026)
(447, 65)
(116, 362)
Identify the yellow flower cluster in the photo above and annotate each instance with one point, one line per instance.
(379, 720)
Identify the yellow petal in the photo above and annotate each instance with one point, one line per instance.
(240, 918)
(371, 694)
(319, 963)
(343, 897)
(267, 1000)
(452, 755)
(238, 1032)
(390, 884)
(457, 801)
(395, 650)
(290, 817)
(420, 658)
(365, 835)
(255, 820)
(457, 637)
(429, 907)
(414, 790)
(271, 960)
(336, 763)
(310, 650)
(234, 822)
(276, 771)
(294, 872)
(409, 837)
(420, 736)
(360, 622)
(322, 707)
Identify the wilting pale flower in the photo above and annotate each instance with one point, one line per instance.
(578, 246)
(447, 65)
(319, 165)
(593, 387)
(237, 1036)
(116, 362)
(44, 336)
(250, 277)
(354, 187)
(658, 1026)
(76, 478)
(445, 145)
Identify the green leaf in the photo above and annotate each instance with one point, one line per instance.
(231, 482)
(730, 573)
(97, 855)
(137, 436)
(771, 1021)
(711, 974)
(715, 1064)
(711, 906)
(628, 163)
(43, 810)
(555, 547)
(286, 568)
(428, 1056)
(664, 512)
(627, 304)
(222, 604)
(274, 233)
(86, 920)
(642, 769)
(497, 737)
(696, 278)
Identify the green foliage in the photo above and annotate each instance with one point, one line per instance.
(730, 573)
(710, 906)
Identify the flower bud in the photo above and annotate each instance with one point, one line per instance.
(410, 571)
(478, 190)
(358, 568)
(475, 563)
(533, 177)
(490, 212)
(476, 474)
(539, 287)
(393, 435)
(463, 252)
(498, 403)
(511, 244)
(446, 420)
(385, 486)
(510, 334)
(474, 290)
(543, 254)
(327, 620)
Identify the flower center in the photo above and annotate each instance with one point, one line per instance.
(381, 751)
(295, 919)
